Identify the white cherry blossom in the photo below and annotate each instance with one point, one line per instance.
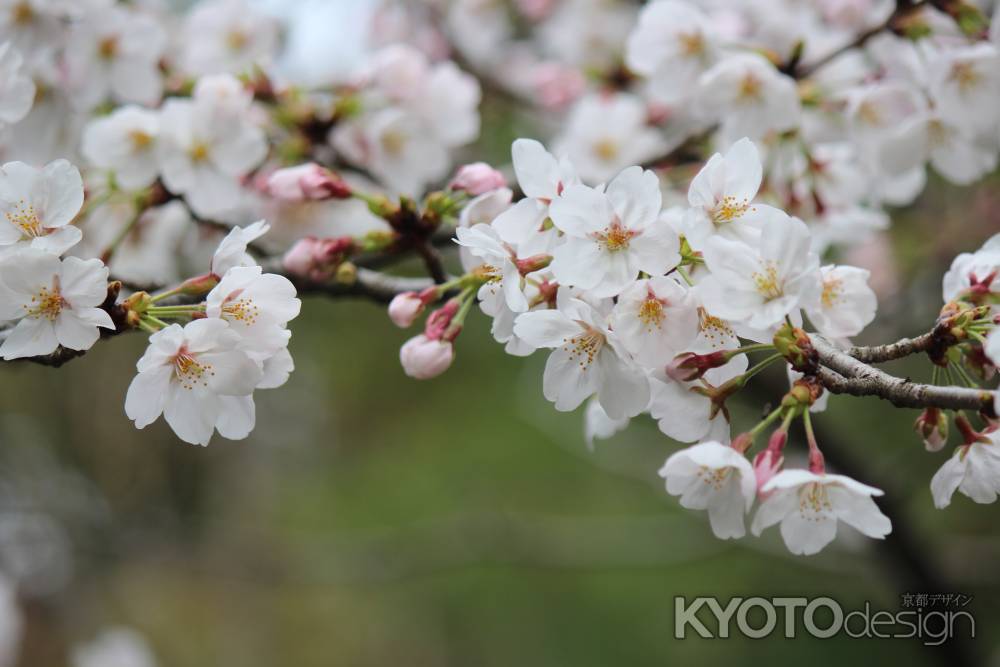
(760, 286)
(587, 358)
(714, 477)
(124, 143)
(655, 319)
(54, 301)
(198, 379)
(39, 205)
(973, 470)
(846, 305)
(748, 96)
(612, 234)
(232, 250)
(257, 306)
(809, 505)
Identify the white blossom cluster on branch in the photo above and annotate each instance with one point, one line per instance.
(708, 161)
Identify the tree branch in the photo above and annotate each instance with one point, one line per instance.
(903, 9)
(904, 347)
(841, 373)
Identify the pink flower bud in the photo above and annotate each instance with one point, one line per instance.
(536, 10)
(689, 366)
(315, 258)
(478, 178)
(307, 182)
(932, 425)
(405, 308)
(766, 465)
(423, 358)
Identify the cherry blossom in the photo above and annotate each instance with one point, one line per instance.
(17, 90)
(612, 234)
(198, 379)
(124, 143)
(973, 470)
(846, 305)
(232, 250)
(38, 206)
(257, 306)
(587, 358)
(809, 505)
(714, 477)
(54, 302)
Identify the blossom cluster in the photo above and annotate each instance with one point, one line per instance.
(708, 159)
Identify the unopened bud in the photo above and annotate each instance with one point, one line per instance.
(932, 425)
(477, 178)
(307, 182)
(766, 465)
(405, 308)
(424, 358)
(346, 274)
(689, 366)
(795, 346)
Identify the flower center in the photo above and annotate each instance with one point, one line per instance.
(242, 310)
(199, 152)
(142, 140)
(716, 332)
(729, 209)
(606, 149)
(750, 87)
(107, 48)
(813, 502)
(190, 372)
(237, 40)
(615, 237)
(22, 13)
(584, 348)
(651, 312)
(833, 291)
(25, 217)
(393, 143)
(47, 303)
(965, 75)
(767, 281)
(692, 44)
(714, 477)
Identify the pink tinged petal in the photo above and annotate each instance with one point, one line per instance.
(859, 512)
(775, 508)
(576, 262)
(191, 413)
(84, 282)
(582, 211)
(568, 381)
(706, 187)
(681, 414)
(946, 481)
(147, 394)
(232, 373)
(636, 197)
(537, 171)
(624, 388)
(727, 509)
(545, 328)
(27, 271)
(74, 332)
(807, 536)
(520, 222)
(65, 193)
(276, 371)
(59, 241)
(237, 417)
(30, 338)
(743, 171)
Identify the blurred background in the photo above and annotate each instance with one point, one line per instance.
(373, 520)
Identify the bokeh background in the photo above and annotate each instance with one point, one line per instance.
(371, 520)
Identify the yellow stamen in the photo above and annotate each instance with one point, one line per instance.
(46, 304)
(584, 348)
(729, 209)
(190, 372)
(25, 217)
(606, 149)
(768, 282)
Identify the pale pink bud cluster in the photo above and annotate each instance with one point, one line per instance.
(405, 308)
(307, 182)
(477, 178)
(768, 463)
(430, 354)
